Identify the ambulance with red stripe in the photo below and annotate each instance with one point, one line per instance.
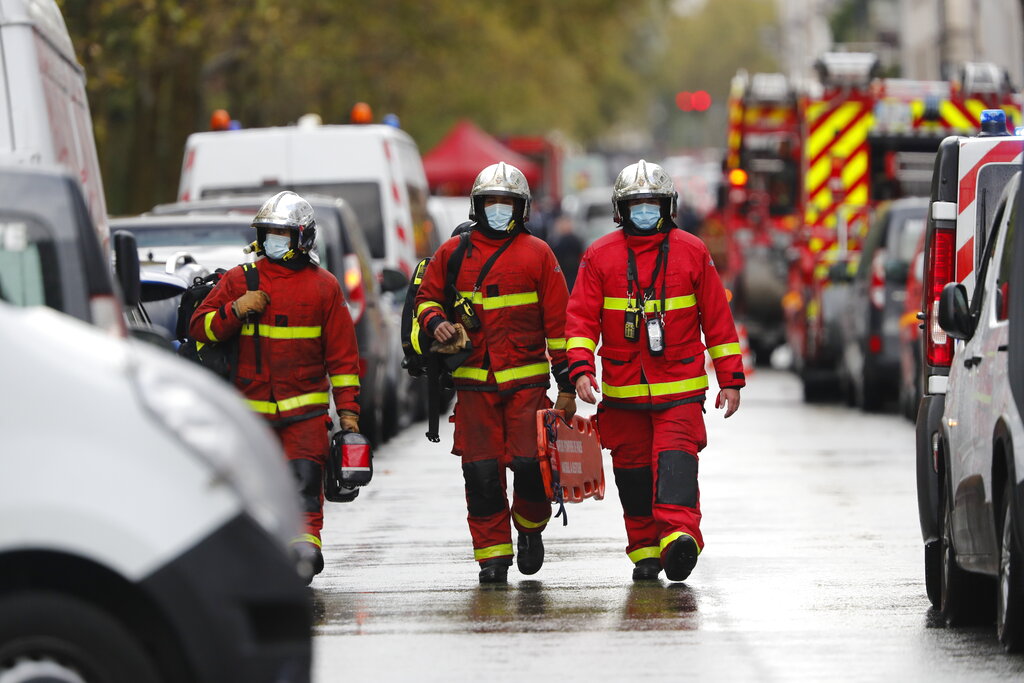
(866, 139)
(761, 202)
(970, 174)
(377, 169)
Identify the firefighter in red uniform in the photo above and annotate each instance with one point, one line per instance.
(511, 314)
(646, 293)
(296, 344)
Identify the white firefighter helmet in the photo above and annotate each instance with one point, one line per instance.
(643, 180)
(503, 180)
(288, 210)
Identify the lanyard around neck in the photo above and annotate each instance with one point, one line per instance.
(632, 277)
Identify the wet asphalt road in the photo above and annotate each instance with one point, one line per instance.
(812, 570)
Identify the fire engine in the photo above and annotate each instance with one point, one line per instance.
(760, 205)
(866, 139)
(970, 174)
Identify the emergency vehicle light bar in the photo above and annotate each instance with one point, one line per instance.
(848, 69)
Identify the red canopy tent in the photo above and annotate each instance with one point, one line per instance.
(454, 163)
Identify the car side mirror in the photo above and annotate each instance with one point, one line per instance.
(896, 271)
(126, 267)
(954, 312)
(392, 280)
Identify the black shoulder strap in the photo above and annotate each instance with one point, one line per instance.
(455, 262)
(252, 276)
(490, 262)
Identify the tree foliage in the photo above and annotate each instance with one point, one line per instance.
(157, 68)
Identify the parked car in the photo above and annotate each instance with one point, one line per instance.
(146, 530)
(982, 443)
(870, 363)
(377, 169)
(911, 327)
(343, 251)
(591, 212)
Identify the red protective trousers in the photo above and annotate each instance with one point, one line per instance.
(494, 432)
(654, 458)
(305, 444)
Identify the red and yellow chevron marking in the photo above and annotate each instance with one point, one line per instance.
(768, 117)
(838, 138)
(735, 138)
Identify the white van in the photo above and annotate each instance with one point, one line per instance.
(375, 168)
(44, 112)
(143, 525)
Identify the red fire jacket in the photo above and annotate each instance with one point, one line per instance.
(694, 301)
(307, 343)
(521, 307)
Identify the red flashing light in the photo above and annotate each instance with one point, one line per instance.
(361, 113)
(693, 101)
(220, 119)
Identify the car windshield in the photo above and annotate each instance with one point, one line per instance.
(192, 235)
(29, 274)
(365, 201)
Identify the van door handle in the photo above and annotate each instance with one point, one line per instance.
(972, 362)
(1004, 347)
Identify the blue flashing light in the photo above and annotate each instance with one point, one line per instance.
(993, 122)
(391, 120)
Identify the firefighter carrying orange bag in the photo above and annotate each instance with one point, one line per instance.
(509, 299)
(646, 293)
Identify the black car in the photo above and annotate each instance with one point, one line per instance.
(870, 326)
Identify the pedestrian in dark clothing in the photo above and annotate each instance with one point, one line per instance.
(568, 249)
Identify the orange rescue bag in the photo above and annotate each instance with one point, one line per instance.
(570, 458)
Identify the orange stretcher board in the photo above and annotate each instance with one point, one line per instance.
(570, 458)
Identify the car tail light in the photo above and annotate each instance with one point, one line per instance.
(939, 271)
(354, 287)
(106, 314)
(875, 343)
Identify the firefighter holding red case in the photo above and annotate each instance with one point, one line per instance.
(296, 345)
(645, 293)
(509, 299)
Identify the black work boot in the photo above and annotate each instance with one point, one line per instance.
(309, 560)
(647, 569)
(495, 570)
(680, 558)
(530, 555)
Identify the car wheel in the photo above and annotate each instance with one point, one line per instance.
(933, 572)
(962, 594)
(1010, 602)
(53, 637)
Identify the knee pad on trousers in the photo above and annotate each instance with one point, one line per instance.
(634, 485)
(484, 496)
(309, 476)
(677, 479)
(528, 484)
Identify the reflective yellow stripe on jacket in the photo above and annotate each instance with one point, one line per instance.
(208, 326)
(344, 381)
(724, 350)
(491, 303)
(425, 305)
(581, 343)
(286, 404)
(613, 303)
(502, 376)
(658, 389)
(275, 332)
(556, 344)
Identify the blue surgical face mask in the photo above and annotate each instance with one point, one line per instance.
(498, 215)
(645, 216)
(276, 246)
